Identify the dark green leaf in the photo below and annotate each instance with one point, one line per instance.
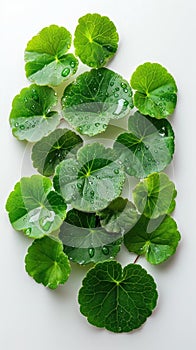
(147, 148)
(96, 40)
(92, 181)
(156, 90)
(117, 299)
(31, 116)
(155, 195)
(52, 149)
(157, 239)
(85, 241)
(46, 262)
(94, 98)
(34, 207)
(46, 60)
(120, 216)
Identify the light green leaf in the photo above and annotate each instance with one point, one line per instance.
(94, 98)
(117, 299)
(148, 146)
(92, 181)
(52, 149)
(157, 239)
(155, 195)
(46, 60)
(31, 116)
(85, 241)
(47, 263)
(96, 40)
(34, 207)
(120, 216)
(156, 90)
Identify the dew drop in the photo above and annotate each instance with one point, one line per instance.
(16, 125)
(92, 193)
(111, 83)
(126, 103)
(79, 186)
(22, 127)
(28, 231)
(105, 250)
(46, 222)
(162, 131)
(97, 124)
(65, 72)
(104, 126)
(123, 85)
(116, 95)
(116, 171)
(91, 252)
(72, 64)
(125, 90)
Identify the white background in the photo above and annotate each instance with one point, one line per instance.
(33, 317)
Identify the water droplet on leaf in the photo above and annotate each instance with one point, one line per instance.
(65, 72)
(91, 252)
(105, 250)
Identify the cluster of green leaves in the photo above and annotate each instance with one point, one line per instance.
(90, 177)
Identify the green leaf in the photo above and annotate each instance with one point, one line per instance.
(156, 90)
(120, 216)
(117, 299)
(157, 239)
(94, 98)
(96, 40)
(46, 60)
(155, 195)
(31, 116)
(34, 207)
(46, 262)
(52, 149)
(85, 241)
(148, 146)
(92, 181)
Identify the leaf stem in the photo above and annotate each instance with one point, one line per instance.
(135, 261)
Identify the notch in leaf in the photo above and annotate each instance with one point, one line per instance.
(120, 216)
(34, 207)
(90, 182)
(47, 263)
(94, 98)
(47, 60)
(51, 150)
(117, 299)
(31, 116)
(156, 91)
(96, 40)
(157, 239)
(148, 147)
(155, 195)
(85, 241)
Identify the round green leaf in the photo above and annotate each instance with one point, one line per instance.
(156, 93)
(46, 60)
(96, 40)
(117, 299)
(148, 146)
(157, 239)
(85, 241)
(46, 262)
(92, 181)
(52, 149)
(94, 98)
(31, 116)
(34, 207)
(155, 195)
(120, 216)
